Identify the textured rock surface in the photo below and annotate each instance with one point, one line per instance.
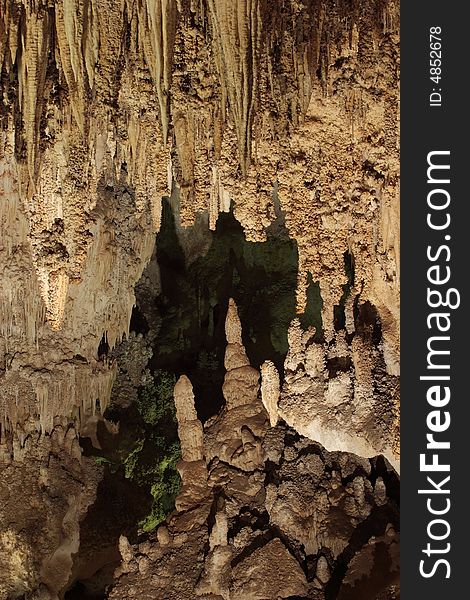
(284, 108)
(101, 101)
(341, 395)
(281, 516)
(189, 426)
(46, 487)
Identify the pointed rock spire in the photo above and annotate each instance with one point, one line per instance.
(189, 426)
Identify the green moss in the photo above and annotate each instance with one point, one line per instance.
(132, 460)
(153, 465)
(155, 400)
(164, 489)
(152, 461)
(149, 447)
(101, 460)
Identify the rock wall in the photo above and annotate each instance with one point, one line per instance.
(276, 108)
(265, 512)
(105, 104)
(43, 476)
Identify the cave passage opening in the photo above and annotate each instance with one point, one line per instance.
(80, 592)
(181, 306)
(194, 291)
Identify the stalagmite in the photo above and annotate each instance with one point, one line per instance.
(197, 90)
(107, 108)
(192, 466)
(270, 390)
(234, 436)
(241, 381)
(189, 426)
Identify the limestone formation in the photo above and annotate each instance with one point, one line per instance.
(189, 426)
(104, 106)
(260, 533)
(42, 475)
(269, 572)
(234, 437)
(337, 398)
(192, 468)
(244, 543)
(285, 115)
(270, 391)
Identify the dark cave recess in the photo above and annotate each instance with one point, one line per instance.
(189, 331)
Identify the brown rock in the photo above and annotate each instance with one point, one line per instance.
(269, 572)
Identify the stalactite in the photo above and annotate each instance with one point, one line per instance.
(108, 106)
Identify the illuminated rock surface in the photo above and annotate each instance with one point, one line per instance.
(272, 129)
